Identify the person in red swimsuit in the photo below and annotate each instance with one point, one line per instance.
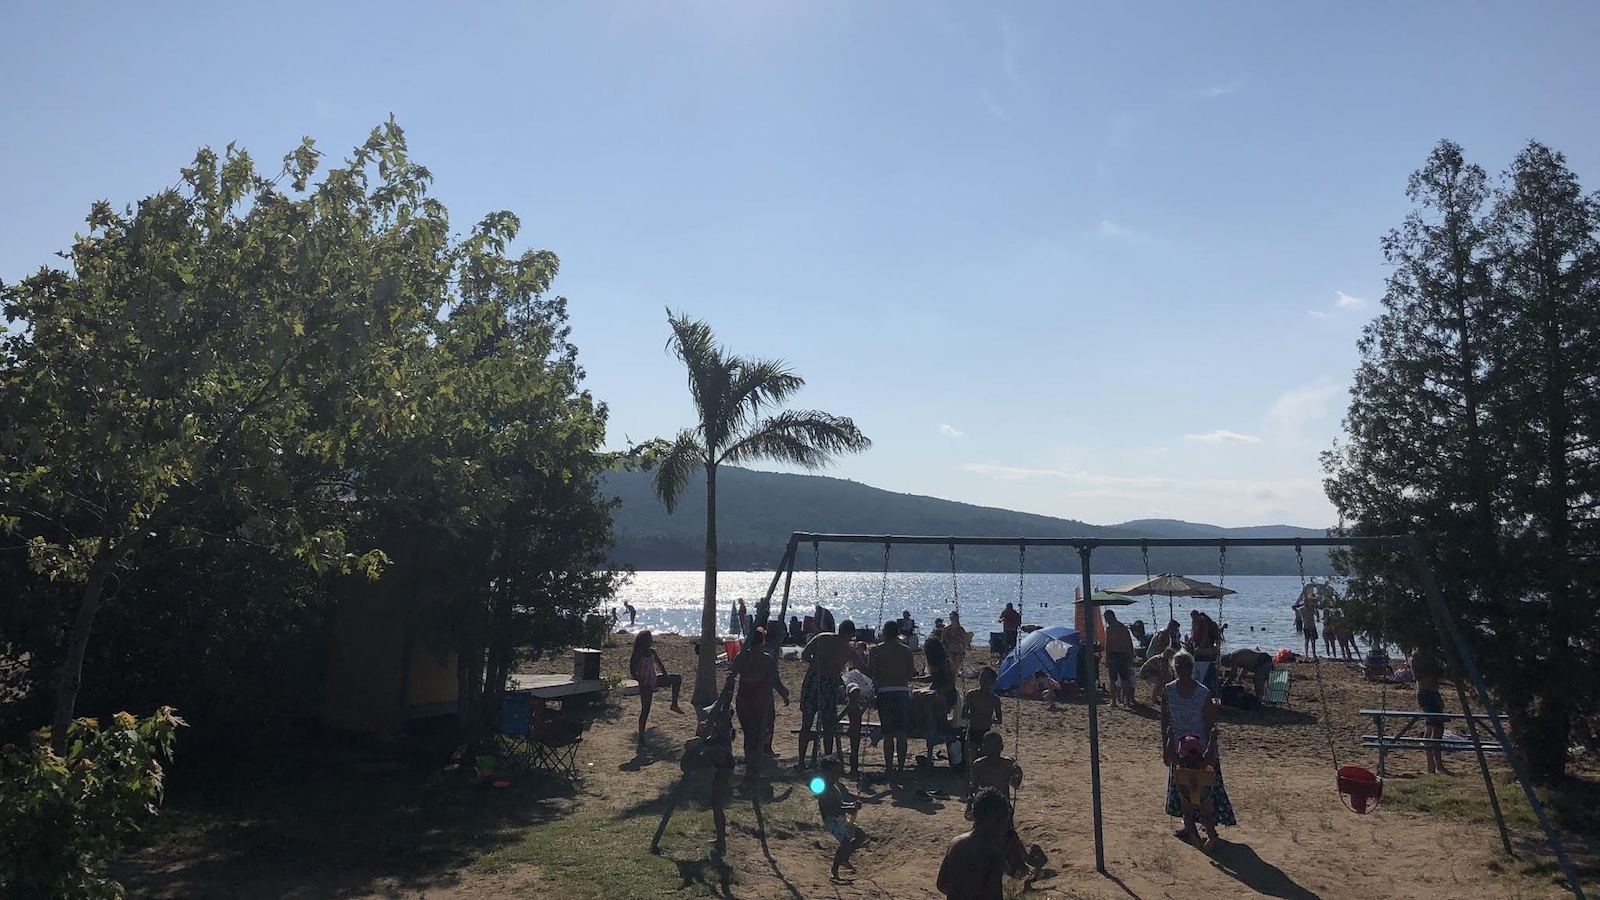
(758, 678)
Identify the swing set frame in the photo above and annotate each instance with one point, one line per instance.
(1458, 657)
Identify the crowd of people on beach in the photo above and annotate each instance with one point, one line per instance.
(847, 678)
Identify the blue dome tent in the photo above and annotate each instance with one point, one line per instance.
(1035, 652)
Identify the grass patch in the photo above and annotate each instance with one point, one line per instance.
(1573, 806)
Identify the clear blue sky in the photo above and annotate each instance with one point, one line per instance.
(1104, 261)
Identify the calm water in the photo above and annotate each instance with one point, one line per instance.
(1257, 616)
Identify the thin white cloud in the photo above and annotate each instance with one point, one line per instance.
(1010, 46)
(1223, 436)
(1346, 301)
(1316, 314)
(1119, 137)
(1301, 406)
(1148, 495)
(995, 109)
(1222, 90)
(1110, 229)
(948, 431)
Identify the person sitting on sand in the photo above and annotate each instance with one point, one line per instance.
(981, 710)
(1138, 632)
(1041, 687)
(838, 811)
(1186, 709)
(646, 667)
(891, 666)
(996, 771)
(822, 692)
(974, 864)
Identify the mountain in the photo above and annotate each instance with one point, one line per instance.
(757, 511)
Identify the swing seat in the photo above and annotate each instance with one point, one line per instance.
(1360, 790)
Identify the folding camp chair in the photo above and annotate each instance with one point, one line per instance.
(514, 743)
(555, 741)
(1277, 688)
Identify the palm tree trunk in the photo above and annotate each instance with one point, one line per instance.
(705, 682)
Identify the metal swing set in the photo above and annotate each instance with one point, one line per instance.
(1358, 789)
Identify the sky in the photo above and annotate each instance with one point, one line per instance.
(1098, 261)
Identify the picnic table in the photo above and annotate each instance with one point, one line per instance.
(1386, 743)
(559, 687)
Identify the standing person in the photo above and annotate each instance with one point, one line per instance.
(646, 667)
(891, 666)
(797, 634)
(957, 641)
(908, 625)
(1165, 641)
(632, 613)
(981, 710)
(1010, 622)
(822, 691)
(744, 618)
(1428, 672)
(1187, 710)
(974, 864)
(938, 628)
(1347, 640)
(716, 751)
(838, 811)
(855, 705)
(940, 676)
(1205, 642)
(1119, 660)
(758, 678)
(1306, 603)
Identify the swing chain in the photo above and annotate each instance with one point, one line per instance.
(816, 571)
(883, 593)
(955, 587)
(1022, 570)
(1144, 551)
(1316, 661)
(1222, 583)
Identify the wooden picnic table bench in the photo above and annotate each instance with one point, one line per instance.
(1386, 743)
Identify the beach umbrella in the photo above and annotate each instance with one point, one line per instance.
(1107, 598)
(1173, 586)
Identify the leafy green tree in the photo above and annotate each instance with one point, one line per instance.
(1546, 262)
(1472, 424)
(732, 396)
(239, 325)
(63, 817)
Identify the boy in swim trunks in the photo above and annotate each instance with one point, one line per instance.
(838, 811)
(1428, 672)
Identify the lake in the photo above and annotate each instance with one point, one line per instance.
(1257, 616)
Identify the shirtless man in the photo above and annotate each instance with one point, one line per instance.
(1429, 673)
(1119, 659)
(892, 666)
(1254, 664)
(822, 691)
(974, 865)
(981, 709)
(957, 641)
(1307, 605)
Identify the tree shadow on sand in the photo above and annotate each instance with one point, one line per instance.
(1241, 863)
(656, 748)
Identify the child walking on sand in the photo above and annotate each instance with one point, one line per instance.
(855, 705)
(838, 811)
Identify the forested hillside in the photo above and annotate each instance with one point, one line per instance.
(758, 510)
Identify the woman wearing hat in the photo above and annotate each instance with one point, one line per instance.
(1189, 722)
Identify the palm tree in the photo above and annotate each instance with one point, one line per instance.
(732, 396)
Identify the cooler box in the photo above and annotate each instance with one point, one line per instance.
(586, 664)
